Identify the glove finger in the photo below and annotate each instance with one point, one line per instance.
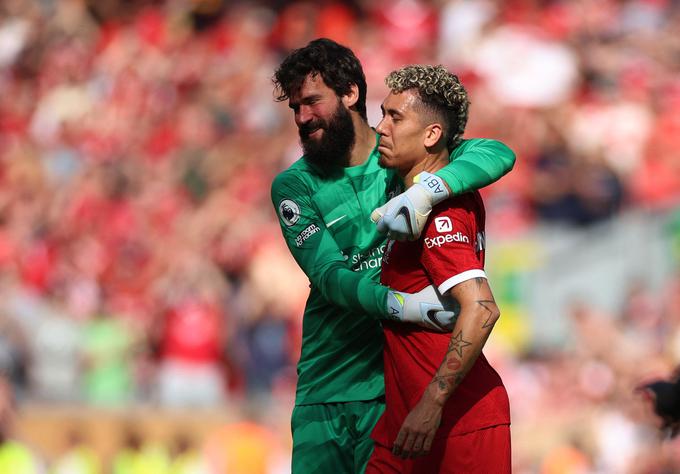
(383, 224)
(399, 227)
(378, 213)
(446, 319)
(390, 208)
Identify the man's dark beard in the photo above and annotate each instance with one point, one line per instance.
(334, 147)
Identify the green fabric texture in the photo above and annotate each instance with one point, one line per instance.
(476, 163)
(334, 241)
(334, 438)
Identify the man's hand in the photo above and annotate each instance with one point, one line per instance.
(404, 216)
(418, 430)
(424, 308)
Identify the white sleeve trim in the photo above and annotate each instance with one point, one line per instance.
(460, 278)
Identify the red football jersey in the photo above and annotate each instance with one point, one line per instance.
(450, 251)
(192, 333)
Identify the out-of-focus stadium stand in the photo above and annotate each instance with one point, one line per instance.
(145, 293)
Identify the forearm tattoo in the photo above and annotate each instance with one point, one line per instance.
(455, 368)
(446, 383)
(488, 306)
(457, 344)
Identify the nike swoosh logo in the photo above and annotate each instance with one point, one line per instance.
(404, 212)
(431, 315)
(335, 220)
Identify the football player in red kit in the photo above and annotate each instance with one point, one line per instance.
(447, 410)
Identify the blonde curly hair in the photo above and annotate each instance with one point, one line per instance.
(440, 92)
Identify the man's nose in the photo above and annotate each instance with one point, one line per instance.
(380, 129)
(303, 116)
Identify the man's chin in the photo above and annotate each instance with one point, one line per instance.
(384, 161)
(310, 143)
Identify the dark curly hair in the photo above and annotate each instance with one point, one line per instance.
(337, 64)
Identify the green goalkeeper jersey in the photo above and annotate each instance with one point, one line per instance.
(325, 220)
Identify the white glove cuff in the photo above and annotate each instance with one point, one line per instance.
(434, 185)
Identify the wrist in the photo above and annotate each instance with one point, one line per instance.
(435, 187)
(395, 305)
(438, 391)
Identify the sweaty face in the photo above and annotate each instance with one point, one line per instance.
(401, 132)
(324, 124)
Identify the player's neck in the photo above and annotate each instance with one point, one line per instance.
(429, 163)
(364, 141)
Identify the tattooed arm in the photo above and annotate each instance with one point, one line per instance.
(478, 314)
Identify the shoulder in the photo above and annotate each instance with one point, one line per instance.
(483, 145)
(462, 209)
(468, 144)
(298, 177)
(461, 203)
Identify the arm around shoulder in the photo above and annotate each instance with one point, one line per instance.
(476, 163)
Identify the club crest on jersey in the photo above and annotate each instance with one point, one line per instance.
(289, 212)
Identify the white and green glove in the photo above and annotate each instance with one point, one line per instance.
(403, 217)
(425, 308)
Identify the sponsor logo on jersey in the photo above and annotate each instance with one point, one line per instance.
(443, 224)
(305, 234)
(368, 260)
(289, 212)
(446, 239)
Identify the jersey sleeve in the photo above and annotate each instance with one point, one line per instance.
(476, 163)
(449, 252)
(317, 253)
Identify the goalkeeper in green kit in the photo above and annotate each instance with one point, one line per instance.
(325, 202)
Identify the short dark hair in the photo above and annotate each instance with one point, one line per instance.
(440, 92)
(338, 66)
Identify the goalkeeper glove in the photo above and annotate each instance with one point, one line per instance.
(404, 216)
(423, 308)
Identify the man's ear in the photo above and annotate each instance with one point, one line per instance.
(433, 133)
(351, 97)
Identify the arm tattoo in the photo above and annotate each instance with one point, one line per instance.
(485, 304)
(447, 383)
(458, 343)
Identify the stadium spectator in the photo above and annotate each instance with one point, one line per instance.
(108, 349)
(15, 456)
(78, 457)
(137, 456)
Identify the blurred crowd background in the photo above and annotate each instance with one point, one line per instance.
(149, 310)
